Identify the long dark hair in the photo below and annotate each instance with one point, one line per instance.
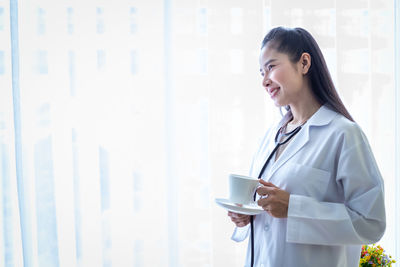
(294, 42)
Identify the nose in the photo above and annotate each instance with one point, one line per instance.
(266, 82)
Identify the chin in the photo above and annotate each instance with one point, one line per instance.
(279, 105)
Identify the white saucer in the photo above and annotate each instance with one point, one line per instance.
(245, 209)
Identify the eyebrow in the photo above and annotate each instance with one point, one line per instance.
(269, 61)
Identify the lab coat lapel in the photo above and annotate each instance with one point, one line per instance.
(299, 141)
(321, 118)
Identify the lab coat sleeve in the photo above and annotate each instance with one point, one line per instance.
(240, 233)
(358, 219)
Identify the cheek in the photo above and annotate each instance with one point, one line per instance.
(279, 77)
(285, 78)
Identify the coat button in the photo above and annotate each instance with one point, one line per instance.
(266, 227)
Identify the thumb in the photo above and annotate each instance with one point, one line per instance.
(267, 183)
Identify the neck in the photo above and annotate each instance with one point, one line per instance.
(302, 112)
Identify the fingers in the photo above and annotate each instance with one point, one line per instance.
(265, 204)
(265, 183)
(237, 215)
(242, 224)
(240, 220)
(276, 203)
(266, 190)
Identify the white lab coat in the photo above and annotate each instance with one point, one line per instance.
(336, 197)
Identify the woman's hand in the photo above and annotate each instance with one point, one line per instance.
(239, 219)
(276, 202)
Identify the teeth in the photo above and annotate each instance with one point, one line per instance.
(273, 90)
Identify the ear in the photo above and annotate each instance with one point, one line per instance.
(305, 63)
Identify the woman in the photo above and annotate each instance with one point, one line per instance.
(321, 188)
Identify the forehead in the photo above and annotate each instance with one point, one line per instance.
(268, 53)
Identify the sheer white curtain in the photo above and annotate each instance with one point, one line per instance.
(121, 120)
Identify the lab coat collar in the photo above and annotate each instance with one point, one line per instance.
(322, 117)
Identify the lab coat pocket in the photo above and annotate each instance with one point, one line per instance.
(304, 180)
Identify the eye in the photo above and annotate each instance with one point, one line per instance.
(262, 74)
(269, 67)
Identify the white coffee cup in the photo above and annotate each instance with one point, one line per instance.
(242, 188)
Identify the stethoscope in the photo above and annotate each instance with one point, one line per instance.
(278, 143)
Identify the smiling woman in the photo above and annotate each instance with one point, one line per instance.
(279, 71)
(284, 59)
(324, 193)
(120, 120)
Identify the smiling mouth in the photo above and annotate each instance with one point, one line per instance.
(274, 91)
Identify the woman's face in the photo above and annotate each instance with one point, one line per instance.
(283, 80)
